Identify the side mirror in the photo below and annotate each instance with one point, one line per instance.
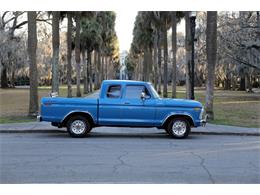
(143, 95)
(53, 94)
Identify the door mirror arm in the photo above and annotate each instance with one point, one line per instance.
(143, 96)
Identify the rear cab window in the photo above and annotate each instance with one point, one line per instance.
(114, 91)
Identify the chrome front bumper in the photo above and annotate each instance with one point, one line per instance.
(39, 118)
(203, 122)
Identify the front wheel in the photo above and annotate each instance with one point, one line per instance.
(78, 126)
(178, 128)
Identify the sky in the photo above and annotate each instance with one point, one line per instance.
(124, 27)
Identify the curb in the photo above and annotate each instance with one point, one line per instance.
(226, 133)
(33, 131)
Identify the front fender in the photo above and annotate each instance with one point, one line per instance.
(177, 114)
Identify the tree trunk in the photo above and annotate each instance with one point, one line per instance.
(85, 73)
(248, 85)
(55, 51)
(90, 71)
(227, 82)
(150, 61)
(77, 52)
(69, 49)
(174, 51)
(188, 48)
(165, 66)
(233, 82)
(159, 63)
(105, 67)
(110, 68)
(99, 70)
(211, 50)
(155, 61)
(32, 47)
(242, 83)
(140, 67)
(4, 80)
(145, 66)
(12, 81)
(11, 63)
(102, 67)
(96, 69)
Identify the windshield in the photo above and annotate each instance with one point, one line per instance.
(154, 92)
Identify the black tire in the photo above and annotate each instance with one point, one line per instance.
(78, 126)
(182, 128)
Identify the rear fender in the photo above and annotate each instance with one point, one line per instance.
(85, 114)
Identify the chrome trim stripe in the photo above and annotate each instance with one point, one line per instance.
(77, 111)
(172, 114)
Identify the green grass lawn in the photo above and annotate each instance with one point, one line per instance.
(14, 103)
(16, 119)
(236, 108)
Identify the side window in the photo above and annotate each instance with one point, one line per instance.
(147, 94)
(114, 91)
(134, 91)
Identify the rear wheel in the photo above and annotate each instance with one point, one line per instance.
(178, 128)
(78, 126)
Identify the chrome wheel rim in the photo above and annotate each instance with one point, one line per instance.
(179, 128)
(78, 126)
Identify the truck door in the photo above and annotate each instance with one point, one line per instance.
(109, 105)
(136, 111)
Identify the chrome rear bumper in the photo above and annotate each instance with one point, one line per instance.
(39, 118)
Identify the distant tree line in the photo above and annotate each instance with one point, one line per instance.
(91, 53)
(227, 51)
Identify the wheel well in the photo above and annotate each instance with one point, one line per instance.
(86, 115)
(188, 118)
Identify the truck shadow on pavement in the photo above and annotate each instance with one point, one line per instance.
(99, 135)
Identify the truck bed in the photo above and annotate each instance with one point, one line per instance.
(56, 109)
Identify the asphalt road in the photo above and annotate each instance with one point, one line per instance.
(125, 155)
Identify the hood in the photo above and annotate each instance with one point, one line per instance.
(181, 103)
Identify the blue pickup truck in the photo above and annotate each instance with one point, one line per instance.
(123, 103)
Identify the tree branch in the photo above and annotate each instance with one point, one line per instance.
(4, 15)
(16, 15)
(44, 20)
(20, 25)
(243, 62)
(5, 22)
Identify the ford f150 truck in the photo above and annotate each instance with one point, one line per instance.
(123, 103)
